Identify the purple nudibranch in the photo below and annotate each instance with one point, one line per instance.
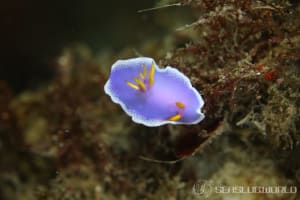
(154, 96)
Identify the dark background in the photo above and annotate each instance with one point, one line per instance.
(34, 32)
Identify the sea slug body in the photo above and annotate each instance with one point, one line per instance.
(154, 96)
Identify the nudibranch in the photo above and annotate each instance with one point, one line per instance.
(153, 96)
